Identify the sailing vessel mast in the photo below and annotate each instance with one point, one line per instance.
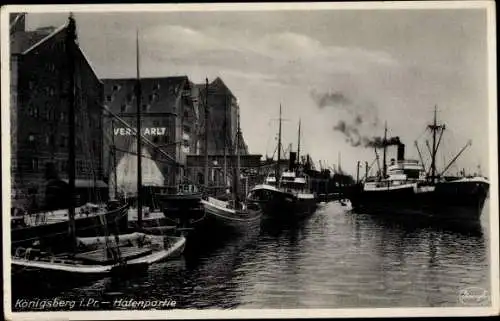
(70, 42)
(206, 136)
(224, 170)
(139, 147)
(115, 187)
(278, 170)
(236, 188)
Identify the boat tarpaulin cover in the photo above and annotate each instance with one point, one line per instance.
(126, 172)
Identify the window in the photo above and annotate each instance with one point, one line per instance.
(145, 107)
(31, 138)
(156, 139)
(186, 114)
(109, 98)
(129, 97)
(34, 164)
(116, 87)
(185, 142)
(51, 91)
(63, 116)
(156, 123)
(187, 129)
(47, 140)
(36, 112)
(123, 108)
(157, 86)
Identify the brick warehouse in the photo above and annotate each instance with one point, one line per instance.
(169, 119)
(223, 110)
(39, 116)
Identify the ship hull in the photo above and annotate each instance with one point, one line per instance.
(56, 235)
(226, 221)
(447, 201)
(279, 205)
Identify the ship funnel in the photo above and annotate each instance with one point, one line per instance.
(292, 160)
(401, 152)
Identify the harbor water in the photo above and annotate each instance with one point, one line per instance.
(334, 259)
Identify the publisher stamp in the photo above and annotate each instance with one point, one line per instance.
(474, 296)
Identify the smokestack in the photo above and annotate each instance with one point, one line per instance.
(401, 152)
(293, 158)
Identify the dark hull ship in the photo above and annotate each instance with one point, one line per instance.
(181, 206)
(55, 233)
(285, 196)
(282, 205)
(407, 190)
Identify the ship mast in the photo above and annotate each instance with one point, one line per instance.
(139, 143)
(384, 143)
(278, 170)
(206, 135)
(435, 128)
(115, 187)
(236, 188)
(298, 146)
(70, 42)
(225, 146)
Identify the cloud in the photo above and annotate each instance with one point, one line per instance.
(280, 55)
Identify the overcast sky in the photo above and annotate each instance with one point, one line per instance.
(344, 73)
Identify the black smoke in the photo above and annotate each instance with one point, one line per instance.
(330, 99)
(378, 142)
(360, 119)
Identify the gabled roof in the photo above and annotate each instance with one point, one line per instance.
(35, 38)
(22, 40)
(167, 88)
(216, 85)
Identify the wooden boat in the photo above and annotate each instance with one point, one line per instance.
(233, 215)
(55, 229)
(224, 216)
(181, 205)
(99, 255)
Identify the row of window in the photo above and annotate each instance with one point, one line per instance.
(154, 97)
(63, 141)
(49, 90)
(62, 116)
(61, 165)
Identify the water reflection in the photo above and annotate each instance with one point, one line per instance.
(333, 259)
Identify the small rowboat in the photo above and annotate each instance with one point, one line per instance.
(98, 255)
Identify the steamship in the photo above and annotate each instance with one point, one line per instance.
(285, 195)
(406, 189)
